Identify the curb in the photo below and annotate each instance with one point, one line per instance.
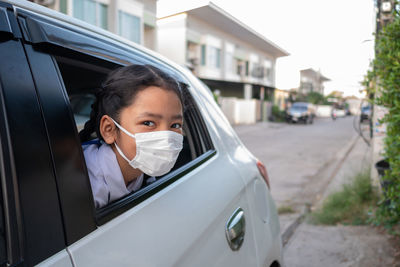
(293, 226)
(307, 208)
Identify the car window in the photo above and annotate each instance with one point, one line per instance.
(81, 81)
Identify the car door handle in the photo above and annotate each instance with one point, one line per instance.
(235, 229)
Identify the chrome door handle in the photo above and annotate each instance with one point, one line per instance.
(235, 229)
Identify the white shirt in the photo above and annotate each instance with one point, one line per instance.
(105, 174)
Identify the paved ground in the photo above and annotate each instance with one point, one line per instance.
(296, 154)
(306, 163)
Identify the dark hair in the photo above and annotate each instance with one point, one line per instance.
(119, 90)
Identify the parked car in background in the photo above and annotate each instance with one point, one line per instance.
(301, 112)
(213, 209)
(365, 113)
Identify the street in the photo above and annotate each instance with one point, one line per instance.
(296, 153)
(306, 163)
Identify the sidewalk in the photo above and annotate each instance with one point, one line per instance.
(328, 177)
(339, 245)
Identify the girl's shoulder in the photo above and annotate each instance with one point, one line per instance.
(92, 142)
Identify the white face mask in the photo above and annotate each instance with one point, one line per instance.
(156, 152)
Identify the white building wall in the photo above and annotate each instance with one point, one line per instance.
(203, 28)
(210, 71)
(134, 7)
(239, 111)
(171, 38)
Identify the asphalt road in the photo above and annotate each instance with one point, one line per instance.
(305, 163)
(296, 153)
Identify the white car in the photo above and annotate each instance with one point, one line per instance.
(213, 209)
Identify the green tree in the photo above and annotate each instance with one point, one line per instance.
(383, 81)
(315, 98)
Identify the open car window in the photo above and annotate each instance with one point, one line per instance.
(81, 80)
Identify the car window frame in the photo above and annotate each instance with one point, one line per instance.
(32, 23)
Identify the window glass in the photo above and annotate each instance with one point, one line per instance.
(239, 66)
(214, 57)
(63, 6)
(129, 26)
(203, 55)
(91, 11)
(229, 65)
(103, 21)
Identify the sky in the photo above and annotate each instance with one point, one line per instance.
(335, 37)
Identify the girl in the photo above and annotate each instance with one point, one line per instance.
(137, 117)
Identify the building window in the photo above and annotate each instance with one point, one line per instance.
(203, 55)
(129, 26)
(268, 73)
(192, 55)
(257, 71)
(214, 57)
(63, 6)
(229, 63)
(247, 68)
(91, 11)
(239, 66)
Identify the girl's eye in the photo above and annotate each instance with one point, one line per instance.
(176, 126)
(148, 123)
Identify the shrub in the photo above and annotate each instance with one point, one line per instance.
(384, 81)
(350, 205)
(277, 114)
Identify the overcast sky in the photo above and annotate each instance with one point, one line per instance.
(335, 37)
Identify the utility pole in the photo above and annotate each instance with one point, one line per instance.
(384, 15)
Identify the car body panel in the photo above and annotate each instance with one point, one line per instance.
(265, 222)
(61, 259)
(181, 225)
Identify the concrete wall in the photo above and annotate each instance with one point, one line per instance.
(171, 38)
(354, 106)
(377, 141)
(242, 111)
(323, 110)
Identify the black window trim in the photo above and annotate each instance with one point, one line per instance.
(9, 188)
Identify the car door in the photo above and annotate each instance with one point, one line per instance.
(262, 212)
(31, 226)
(185, 218)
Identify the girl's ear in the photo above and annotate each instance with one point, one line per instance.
(108, 129)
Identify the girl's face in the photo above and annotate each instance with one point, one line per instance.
(153, 109)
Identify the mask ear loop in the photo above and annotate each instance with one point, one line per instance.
(122, 129)
(121, 153)
(126, 132)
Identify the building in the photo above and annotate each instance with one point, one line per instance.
(311, 81)
(132, 19)
(222, 51)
